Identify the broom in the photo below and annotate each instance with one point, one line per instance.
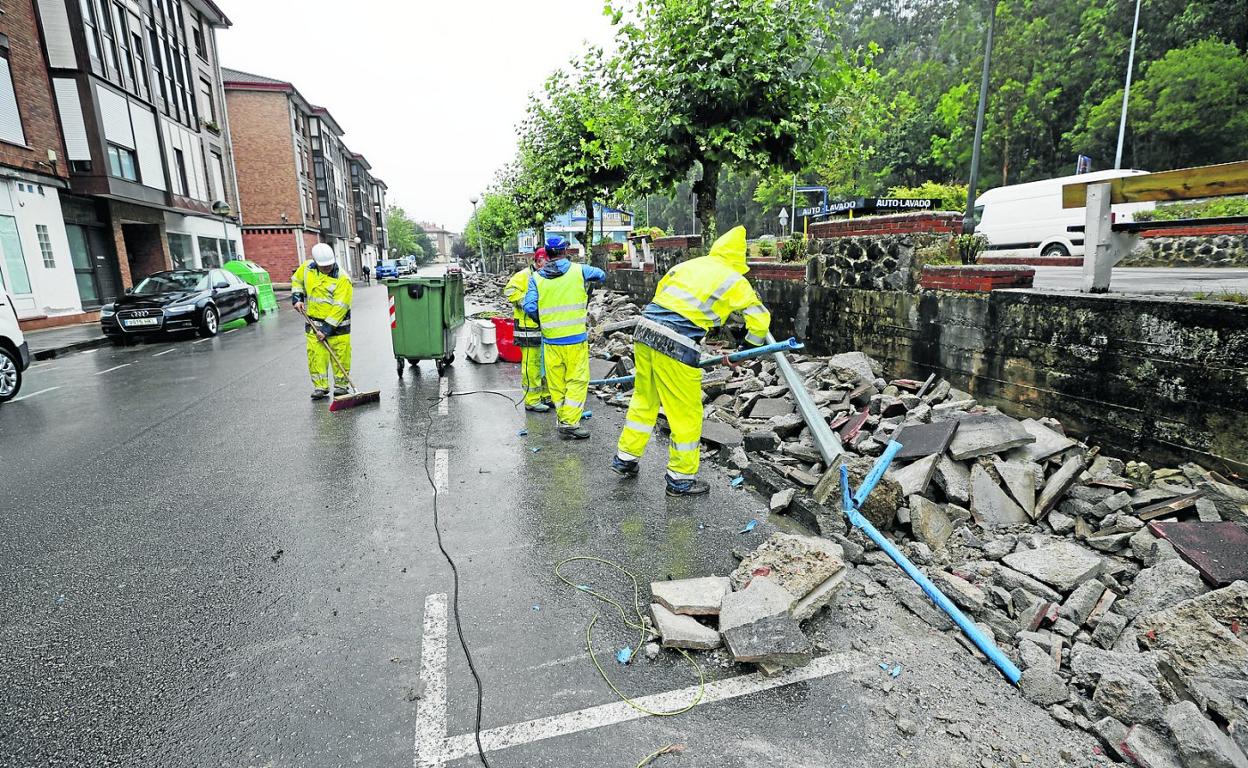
(351, 399)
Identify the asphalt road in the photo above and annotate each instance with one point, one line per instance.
(201, 567)
(1150, 280)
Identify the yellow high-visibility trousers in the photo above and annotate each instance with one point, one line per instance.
(318, 359)
(532, 379)
(567, 378)
(677, 388)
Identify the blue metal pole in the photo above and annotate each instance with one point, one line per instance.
(982, 642)
(788, 345)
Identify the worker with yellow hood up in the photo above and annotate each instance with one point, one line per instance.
(528, 335)
(693, 298)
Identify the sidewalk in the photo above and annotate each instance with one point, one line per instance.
(55, 342)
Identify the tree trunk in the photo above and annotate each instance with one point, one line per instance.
(588, 240)
(706, 189)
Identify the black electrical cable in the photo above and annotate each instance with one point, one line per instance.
(437, 529)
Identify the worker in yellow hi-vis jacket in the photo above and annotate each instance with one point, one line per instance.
(322, 290)
(529, 338)
(693, 298)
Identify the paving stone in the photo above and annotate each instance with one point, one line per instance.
(1165, 584)
(761, 440)
(692, 597)
(1048, 443)
(915, 477)
(1043, 687)
(1129, 697)
(991, 506)
(983, 434)
(1148, 749)
(1201, 744)
(720, 434)
(765, 408)
(1020, 481)
(1062, 564)
(929, 522)
(1108, 629)
(919, 440)
(683, 631)
(762, 598)
(954, 479)
(1079, 604)
(769, 640)
(1058, 484)
(963, 593)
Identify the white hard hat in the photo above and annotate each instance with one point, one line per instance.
(323, 255)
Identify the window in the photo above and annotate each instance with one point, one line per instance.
(14, 261)
(209, 255)
(180, 251)
(45, 246)
(10, 118)
(162, 77)
(129, 76)
(80, 166)
(206, 107)
(217, 174)
(122, 163)
(140, 62)
(110, 40)
(179, 176)
(198, 34)
(92, 33)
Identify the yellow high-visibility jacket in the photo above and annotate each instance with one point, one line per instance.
(327, 297)
(527, 333)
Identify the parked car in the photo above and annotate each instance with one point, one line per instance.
(1029, 220)
(14, 351)
(180, 300)
(387, 268)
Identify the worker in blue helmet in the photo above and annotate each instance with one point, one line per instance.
(557, 298)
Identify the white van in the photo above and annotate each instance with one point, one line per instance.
(1028, 219)
(14, 352)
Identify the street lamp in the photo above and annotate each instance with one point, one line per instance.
(1126, 91)
(784, 220)
(222, 209)
(480, 240)
(968, 219)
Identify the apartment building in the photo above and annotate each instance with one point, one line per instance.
(368, 197)
(48, 282)
(443, 240)
(151, 173)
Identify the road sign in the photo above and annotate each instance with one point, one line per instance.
(870, 205)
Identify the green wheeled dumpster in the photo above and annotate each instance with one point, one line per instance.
(253, 274)
(425, 315)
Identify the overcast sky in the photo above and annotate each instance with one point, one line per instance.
(429, 91)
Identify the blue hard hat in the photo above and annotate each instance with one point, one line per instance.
(556, 243)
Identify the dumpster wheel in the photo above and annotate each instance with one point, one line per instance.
(445, 363)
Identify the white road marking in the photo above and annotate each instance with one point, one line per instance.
(431, 712)
(114, 368)
(167, 351)
(444, 396)
(34, 394)
(227, 333)
(441, 470)
(43, 366)
(89, 351)
(201, 341)
(543, 728)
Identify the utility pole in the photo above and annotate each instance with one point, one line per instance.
(968, 219)
(1126, 90)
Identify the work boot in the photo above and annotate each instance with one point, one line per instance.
(320, 393)
(687, 487)
(340, 391)
(625, 467)
(539, 408)
(578, 432)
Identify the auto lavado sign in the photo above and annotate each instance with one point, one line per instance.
(863, 205)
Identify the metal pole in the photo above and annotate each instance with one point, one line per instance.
(480, 239)
(793, 208)
(773, 347)
(827, 441)
(1126, 91)
(968, 219)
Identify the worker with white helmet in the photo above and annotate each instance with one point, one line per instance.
(322, 291)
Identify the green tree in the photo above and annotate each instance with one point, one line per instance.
(494, 225)
(402, 231)
(728, 83)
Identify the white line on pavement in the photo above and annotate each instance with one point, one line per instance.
(114, 368)
(227, 333)
(543, 728)
(34, 394)
(444, 396)
(167, 351)
(431, 711)
(201, 341)
(89, 351)
(441, 469)
(43, 366)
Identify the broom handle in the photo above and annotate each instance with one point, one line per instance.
(332, 356)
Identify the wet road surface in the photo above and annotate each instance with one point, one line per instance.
(200, 567)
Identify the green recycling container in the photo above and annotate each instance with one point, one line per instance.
(253, 274)
(425, 313)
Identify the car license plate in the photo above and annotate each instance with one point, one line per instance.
(142, 321)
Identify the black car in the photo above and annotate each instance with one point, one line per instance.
(181, 300)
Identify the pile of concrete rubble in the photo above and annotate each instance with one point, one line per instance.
(1118, 588)
(485, 292)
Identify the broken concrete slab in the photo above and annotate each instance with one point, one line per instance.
(1108, 629)
(1043, 687)
(1200, 743)
(1079, 604)
(780, 500)
(1228, 605)
(963, 593)
(1165, 584)
(915, 477)
(991, 506)
(954, 479)
(787, 425)
(1231, 501)
(692, 597)
(776, 640)
(819, 597)
(913, 597)
(765, 408)
(1129, 697)
(761, 440)
(1058, 485)
(1089, 663)
(762, 598)
(798, 564)
(881, 506)
(849, 366)
(1194, 643)
(1218, 551)
(1148, 749)
(683, 631)
(720, 434)
(919, 440)
(1048, 443)
(1010, 580)
(1020, 481)
(929, 523)
(1060, 564)
(1112, 734)
(983, 434)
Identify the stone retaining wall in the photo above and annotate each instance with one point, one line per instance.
(1214, 249)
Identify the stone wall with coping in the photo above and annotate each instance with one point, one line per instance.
(1217, 247)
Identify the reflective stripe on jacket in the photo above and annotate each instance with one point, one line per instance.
(527, 334)
(561, 304)
(327, 298)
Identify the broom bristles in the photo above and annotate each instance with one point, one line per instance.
(342, 402)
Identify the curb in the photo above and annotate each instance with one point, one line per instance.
(77, 346)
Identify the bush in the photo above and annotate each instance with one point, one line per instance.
(654, 232)
(969, 247)
(766, 247)
(952, 196)
(793, 249)
(1199, 209)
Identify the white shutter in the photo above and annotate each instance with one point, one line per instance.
(10, 118)
(56, 34)
(200, 180)
(77, 147)
(151, 169)
(115, 112)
